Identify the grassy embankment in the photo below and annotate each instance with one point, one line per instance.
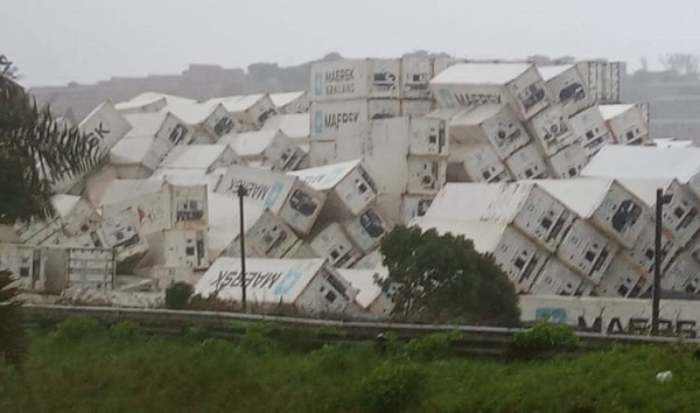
(81, 367)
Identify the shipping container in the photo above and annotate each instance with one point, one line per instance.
(142, 104)
(225, 217)
(416, 107)
(682, 276)
(368, 228)
(568, 162)
(39, 232)
(587, 251)
(322, 153)
(626, 123)
(481, 164)
(297, 203)
(605, 203)
(296, 126)
(209, 119)
(310, 285)
(620, 280)
(346, 79)
(247, 112)
(551, 130)
(426, 174)
(489, 123)
(271, 149)
(348, 119)
(518, 257)
(556, 279)
(525, 205)
(619, 161)
(84, 267)
(679, 216)
(26, 264)
(349, 187)
(291, 102)
(334, 245)
(590, 130)
(370, 296)
(568, 87)
(269, 237)
(414, 206)
(121, 233)
(202, 157)
(603, 80)
(474, 84)
(416, 73)
(177, 248)
(527, 163)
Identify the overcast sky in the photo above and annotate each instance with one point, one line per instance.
(57, 41)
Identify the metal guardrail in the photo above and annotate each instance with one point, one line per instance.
(477, 340)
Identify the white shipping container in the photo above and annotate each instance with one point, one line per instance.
(355, 79)
(85, 267)
(587, 251)
(367, 229)
(551, 130)
(475, 84)
(416, 107)
(349, 187)
(427, 136)
(246, 112)
(620, 280)
(568, 87)
(568, 162)
(609, 206)
(414, 206)
(39, 232)
(416, 73)
(177, 248)
(120, 232)
(490, 123)
(269, 237)
(296, 203)
(641, 254)
(530, 209)
(556, 279)
(270, 148)
(603, 80)
(337, 120)
(482, 164)
(683, 275)
(370, 296)
(309, 284)
(333, 244)
(626, 123)
(104, 126)
(517, 256)
(190, 206)
(291, 102)
(426, 174)
(210, 119)
(322, 153)
(145, 104)
(527, 163)
(590, 130)
(26, 264)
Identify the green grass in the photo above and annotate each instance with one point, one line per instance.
(85, 368)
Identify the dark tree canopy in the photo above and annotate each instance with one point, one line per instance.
(35, 149)
(438, 278)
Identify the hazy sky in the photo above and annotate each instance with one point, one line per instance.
(57, 41)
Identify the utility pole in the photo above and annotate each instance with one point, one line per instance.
(661, 199)
(242, 192)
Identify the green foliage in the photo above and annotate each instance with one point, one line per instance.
(78, 328)
(35, 150)
(390, 387)
(177, 295)
(258, 339)
(544, 337)
(13, 340)
(438, 278)
(125, 331)
(196, 332)
(432, 346)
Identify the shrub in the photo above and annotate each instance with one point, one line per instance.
(431, 347)
(258, 339)
(196, 332)
(125, 330)
(390, 387)
(332, 358)
(77, 328)
(177, 295)
(544, 337)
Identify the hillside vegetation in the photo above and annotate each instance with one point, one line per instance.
(83, 367)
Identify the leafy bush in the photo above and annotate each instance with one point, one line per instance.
(544, 337)
(125, 330)
(177, 295)
(390, 387)
(432, 346)
(332, 358)
(196, 333)
(77, 328)
(258, 339)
